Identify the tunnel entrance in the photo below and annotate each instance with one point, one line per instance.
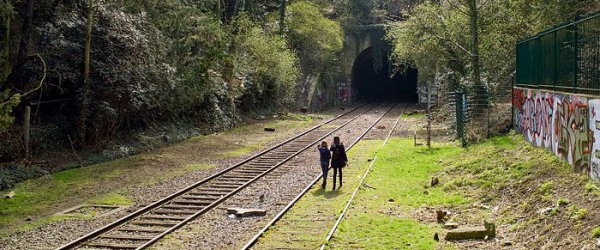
(371, 85)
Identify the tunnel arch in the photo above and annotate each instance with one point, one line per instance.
(385, 84)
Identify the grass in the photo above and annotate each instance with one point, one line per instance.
(401, 175)
(395, 215)
(291, 121)
(413, 115)
(106, 183)
(596, 232)
(319, 203)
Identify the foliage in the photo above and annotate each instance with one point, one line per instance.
(270, 67)
(596, 232)
(7, 102)
(435, 36)
(312, 34)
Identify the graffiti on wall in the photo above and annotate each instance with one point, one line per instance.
(559, 123)
(595, 123)
(344, 93)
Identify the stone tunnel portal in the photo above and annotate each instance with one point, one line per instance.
(382, 85)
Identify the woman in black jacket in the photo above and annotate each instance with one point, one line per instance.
(338, 158)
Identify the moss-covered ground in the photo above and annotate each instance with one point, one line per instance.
(109, 182)
(503, 180)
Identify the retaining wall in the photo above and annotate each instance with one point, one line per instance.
(566, 124)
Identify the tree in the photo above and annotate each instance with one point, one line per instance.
(84, 110)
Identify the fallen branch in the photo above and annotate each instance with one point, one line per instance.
(74, 152)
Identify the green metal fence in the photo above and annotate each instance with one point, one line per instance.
(566, 58)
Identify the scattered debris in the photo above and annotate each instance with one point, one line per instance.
(451, 225)
(28, 219)
(348, 131)
(545, 211)
(381, 127)
(305, 109)
(481, 206)
(261, 197)
(244, 212)
(342, 108)
(436, 237)
(441, 215)
(10, 195)
(434, 181)
(440, 161)
(368, 186)
(270, 129)
(391, 200)
(506, 243)
(370, 160)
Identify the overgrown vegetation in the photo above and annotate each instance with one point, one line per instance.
(456, 38)
(522, 189)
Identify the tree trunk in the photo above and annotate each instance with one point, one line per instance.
(282, 9)
(218, 10)
(85, 90)
(6, 67)
(480, 91)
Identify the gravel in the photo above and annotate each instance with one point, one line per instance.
(214, 229)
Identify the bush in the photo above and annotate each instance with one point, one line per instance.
(270, 68)
(316, 37)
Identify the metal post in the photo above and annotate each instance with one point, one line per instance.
(26, 130)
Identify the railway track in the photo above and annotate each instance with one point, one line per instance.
(144, 227)
(303, 237)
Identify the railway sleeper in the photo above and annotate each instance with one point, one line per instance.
(126, 237)
(229, 185)
(153, 223)
(200, 197)
(193, 202)
(142, 229)
(215, 190)
(174, 211)
(208, 193)
(243, 171)
(162, 217)
(112, 245)
(188, 207)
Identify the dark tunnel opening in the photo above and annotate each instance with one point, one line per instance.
(371, 85)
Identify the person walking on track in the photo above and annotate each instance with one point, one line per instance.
(338, 158)
(325, 157)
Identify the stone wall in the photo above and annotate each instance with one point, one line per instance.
(566, 124)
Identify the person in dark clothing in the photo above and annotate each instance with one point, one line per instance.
(325, 157)
(338, 158)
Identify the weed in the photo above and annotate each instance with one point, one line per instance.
(592, 188)
(576, 212)
(546, 188)
(562, 202)
(596, 232)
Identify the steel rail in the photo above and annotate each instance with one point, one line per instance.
(144, 210)
(341, 216)
(256, 237)
(235, 191)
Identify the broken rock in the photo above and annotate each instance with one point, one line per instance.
(244, 212)
(467, 233)
(451, 225)
(434, 181)
(10, 195)
(380, 127)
